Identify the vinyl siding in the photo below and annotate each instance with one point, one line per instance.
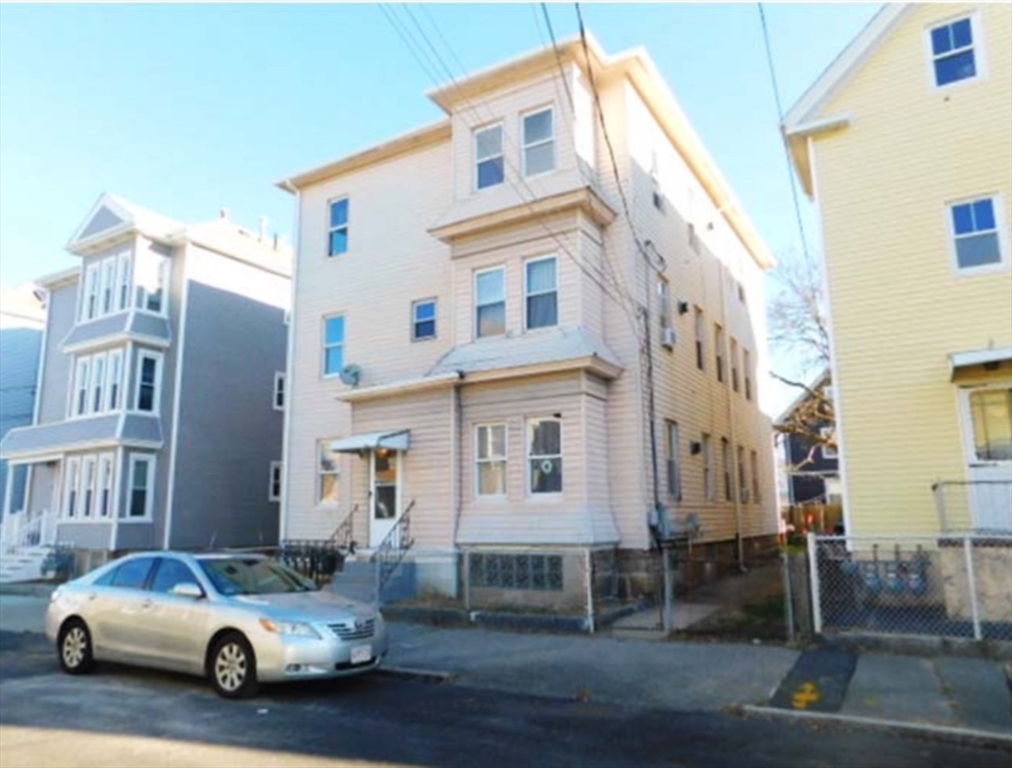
(898, 306)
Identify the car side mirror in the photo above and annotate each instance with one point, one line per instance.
(187, 589)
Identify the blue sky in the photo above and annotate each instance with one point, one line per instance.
(186, 109)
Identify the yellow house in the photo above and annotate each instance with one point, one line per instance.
(904, 144)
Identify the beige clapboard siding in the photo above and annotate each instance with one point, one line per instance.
(899, 309)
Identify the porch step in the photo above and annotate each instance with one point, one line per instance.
(23, 564)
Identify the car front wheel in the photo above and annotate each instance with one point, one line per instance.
(74, 647)
(233, 669)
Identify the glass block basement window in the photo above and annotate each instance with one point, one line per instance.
(540, 573)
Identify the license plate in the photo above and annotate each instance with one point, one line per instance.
(360, 654)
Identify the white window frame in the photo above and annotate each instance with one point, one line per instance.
(735, 374)
(827, 452)
(82, 372)
(90, 295)
(124, 280)
(108, 292)
(71, 492)
(699, 321)
(114, 381)
(998, 204)
(415, 321)
(718, 358)
(158, 357)
(664, 302)
(149, 491)
(346, 226)
(104, 484)
(525, 145)
(501, 156)
(977, 46)
(324, 346)
(528, 294)
(756, 489)
(96, 383)
(504, 459)
(275, 477)
(279, 391)
(709, 475)
(319, 473)
(530, 426)
(727, 459)
(742, 474)
(89, 483)
(746, 368)
(674, 460)
(477, 306)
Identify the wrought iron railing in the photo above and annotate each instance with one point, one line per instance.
(345, 531)
(393, 549)
(318, 559)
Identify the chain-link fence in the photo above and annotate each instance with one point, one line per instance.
(944, 586)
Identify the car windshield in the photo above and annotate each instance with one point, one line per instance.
(253, 576)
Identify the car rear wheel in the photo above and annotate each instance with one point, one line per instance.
(233, 668)
(74, 648)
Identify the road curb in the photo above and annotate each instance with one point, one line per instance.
(410, 673)
(963, 736)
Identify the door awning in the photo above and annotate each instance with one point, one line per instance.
(395, 441)
(979, 357)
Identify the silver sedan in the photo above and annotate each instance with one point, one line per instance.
(237, 619)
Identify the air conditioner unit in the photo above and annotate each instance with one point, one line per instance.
(668, 338)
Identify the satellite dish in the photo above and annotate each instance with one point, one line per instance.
(350, 375)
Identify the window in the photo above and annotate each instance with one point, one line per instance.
(725, 455)
(742, 479)
(81, 387)
(490, 459)
(746, 365)
(663, 303)
(734, 365)
(693, 238)
(952, 52)
(337, 239)
(142, 479)
(700, 340)
(155, 296)
(754, 457)
(274, 488)
(488, 157)
(539, 143)
(329, 472)
(133, 574)
(333, 345)
(490, 302)
(170, 573)
(104, 485)
(97, 382)
(541, 286)
(718, 343)
(148, 374)
(708, 478)
(87, 486)
(991, 415)
(674, 464)
(91, 287)
(112, 384)
(279, 391)
(108, 285)
(544, 455)
(123, 279)
(151, 280)
(423, 320)
(70, 487)
(828, 451)
(975, 233)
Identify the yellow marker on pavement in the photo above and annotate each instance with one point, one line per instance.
(805, 695)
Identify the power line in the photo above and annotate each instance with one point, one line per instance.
(558, 55)
(780, 121)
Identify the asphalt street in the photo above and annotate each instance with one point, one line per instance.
(121, 716)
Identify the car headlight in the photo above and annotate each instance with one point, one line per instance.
(292, 628)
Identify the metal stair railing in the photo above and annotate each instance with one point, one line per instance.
(393, 549)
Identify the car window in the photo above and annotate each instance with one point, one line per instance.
(106, 578)
(133, 573)
(253, 576)
(170, 573)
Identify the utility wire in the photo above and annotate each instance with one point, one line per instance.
(558, 55)
(780, 122)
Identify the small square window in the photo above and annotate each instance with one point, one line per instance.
(975, 233)
(423, 320)
(338, 233)
(952, 52)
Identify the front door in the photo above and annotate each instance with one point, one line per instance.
(385, 496)
(987, 420)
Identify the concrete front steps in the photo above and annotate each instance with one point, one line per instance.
(22, 564)
(357, 580)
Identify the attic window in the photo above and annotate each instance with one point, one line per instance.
(952, 52)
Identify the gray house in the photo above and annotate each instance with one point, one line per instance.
(161, 389)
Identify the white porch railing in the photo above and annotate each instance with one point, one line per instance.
(21, 530)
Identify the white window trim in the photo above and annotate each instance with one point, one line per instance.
(96, 386)
(746, 369)
(108, 405)
(124, 281)
(477, 306)
(524, 146)
(346, 226)
(501, 155)
(674, 459)
(528, 294)
(324, 346)
(88, 462)
(699, 329)
(827, 452)
(319, 473)
(279, 389)
(756, 485)
(735, 368)
(414, 319)
(92, 289)
(528, 493)
(108, 286)
(149, 498)
(719, 359)
(275, 469)
(979, 53)
(73, 472)
(709, 478)
(105, 461)
(81, 380)
(491, 460)
(159, 359)
(998, 203)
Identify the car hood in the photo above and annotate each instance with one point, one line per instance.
(321, 605)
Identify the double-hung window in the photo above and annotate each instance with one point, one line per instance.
(746, 365)
(709, 486)
(80, 407)
(725, 455)
(490, 459)
(333, 345)
(541, 288)
(148, 374)
(539, 143)
(115, 374)
(88, 486)
(337, 238)
(274, 487)
(975, 233)
(544, 455)
(700, 340)
(91, 288)
(953, 55)
(490, 302)
(70, 481)
(279, 391)
(329, 473)
(108, 285)
(141, 484)
(123, 279)
(97, 383)
(105, 468)
(755, 477)
(674, 463)
(734, 365)
(664, 303)
(718, 344)
(742, 480)
(488, 157)
(423, 320)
